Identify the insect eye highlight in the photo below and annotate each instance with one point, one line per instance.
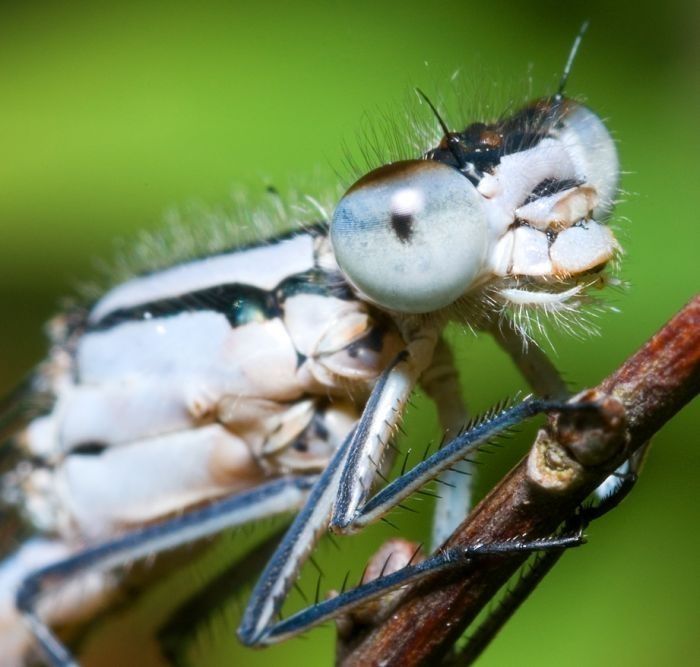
(406, 205)
(411, 235)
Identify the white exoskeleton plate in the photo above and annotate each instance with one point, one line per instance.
(216, 377)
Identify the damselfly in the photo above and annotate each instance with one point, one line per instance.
(271, 377)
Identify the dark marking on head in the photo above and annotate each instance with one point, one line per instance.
(402, 224)
(551, 186)
(481, 146)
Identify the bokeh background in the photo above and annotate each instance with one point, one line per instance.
(110, 115)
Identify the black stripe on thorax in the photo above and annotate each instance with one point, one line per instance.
(239, 303)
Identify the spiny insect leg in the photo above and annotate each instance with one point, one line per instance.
(443, 560)
(342, 486)
(542, 565)
(453, 452)
(383, 410)
(276, 497)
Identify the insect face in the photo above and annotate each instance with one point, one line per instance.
(492, 206)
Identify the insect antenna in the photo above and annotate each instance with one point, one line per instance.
(570, 60)
(443, 126)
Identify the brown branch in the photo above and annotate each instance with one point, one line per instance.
(569, 459)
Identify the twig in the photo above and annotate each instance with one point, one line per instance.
(569, 459)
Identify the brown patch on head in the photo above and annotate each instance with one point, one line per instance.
(490, 138)
(395, 170)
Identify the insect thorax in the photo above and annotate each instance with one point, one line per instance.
(197, 381)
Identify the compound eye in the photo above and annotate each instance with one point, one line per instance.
(411, 235)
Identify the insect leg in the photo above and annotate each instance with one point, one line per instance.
(282, 569)
(182, 624)
(629, 469)
(534, 365)
(346, 482)
(275, 497)
(449, 558)
(516, 596)
(381, 416)
(443, 560)
(257, 628)
(441, 383)
(342, 486)
(449, 455)
(544, 379)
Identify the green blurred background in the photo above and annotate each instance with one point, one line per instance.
(112, 114)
